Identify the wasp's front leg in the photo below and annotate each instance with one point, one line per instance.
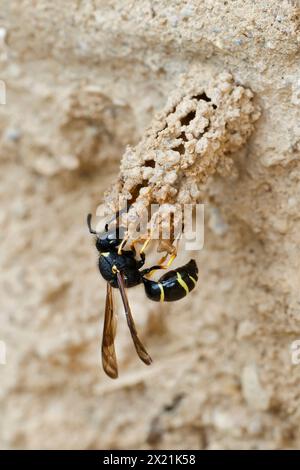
(141, 262)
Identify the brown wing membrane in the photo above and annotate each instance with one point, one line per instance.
(140, 349)
(109, 359)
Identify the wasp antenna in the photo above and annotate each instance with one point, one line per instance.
(89, 221)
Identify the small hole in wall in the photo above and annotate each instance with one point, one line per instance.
(180, 148)
(206, 128)
(136, 191)
(174, 404)
(188, 118)
(149, 163)
(172, 111)
(183, 137)
(203, 97)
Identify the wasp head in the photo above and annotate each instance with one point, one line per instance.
(108, 240)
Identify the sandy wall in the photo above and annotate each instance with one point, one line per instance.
(83, 80)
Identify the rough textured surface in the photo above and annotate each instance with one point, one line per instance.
(192, 138)
(84, 79)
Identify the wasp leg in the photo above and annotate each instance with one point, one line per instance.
(122, 244)
(150, 270)
(145, 246)
(160, 265)
(154, 268)
(163, 259)
(166, 266)
(141, 262)
(132, 248)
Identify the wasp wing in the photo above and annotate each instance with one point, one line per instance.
(109, 359)
(140, 349)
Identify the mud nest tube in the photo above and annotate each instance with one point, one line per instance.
(193, 137)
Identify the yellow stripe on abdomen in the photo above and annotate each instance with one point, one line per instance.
(194, 280)
(162, 292)
(182, 283)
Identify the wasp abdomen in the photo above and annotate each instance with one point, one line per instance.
(173, 285)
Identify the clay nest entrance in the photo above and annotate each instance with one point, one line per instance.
(193, 137)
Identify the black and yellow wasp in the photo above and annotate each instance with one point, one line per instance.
(121, 270)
